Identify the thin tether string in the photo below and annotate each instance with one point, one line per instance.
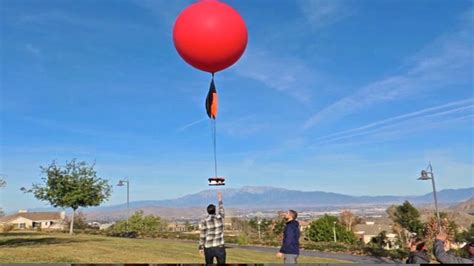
(214, 139)
(214, 142)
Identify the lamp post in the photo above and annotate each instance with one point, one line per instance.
(427, 175)
(121, 183)
(3, 184)
(334, 231)
(258, 223)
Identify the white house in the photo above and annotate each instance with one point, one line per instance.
(33, 220)
(370, 230)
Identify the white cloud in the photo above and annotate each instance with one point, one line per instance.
(184, 127)
(243, 126)
(165, 10)
(409, 126)
(285, 74)
(32, 49)
(322, 13)
(446, 62)
(458, 108)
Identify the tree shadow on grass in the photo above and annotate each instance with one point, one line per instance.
(15, 234)
(20, 242)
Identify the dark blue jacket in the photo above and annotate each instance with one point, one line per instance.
(291, 238)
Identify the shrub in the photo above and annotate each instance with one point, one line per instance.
(242, 240)
(138, 226)
(322, 230)
(7, 228)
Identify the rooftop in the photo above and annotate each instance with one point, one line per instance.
(35, 216)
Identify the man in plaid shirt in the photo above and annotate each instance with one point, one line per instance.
(211, 240)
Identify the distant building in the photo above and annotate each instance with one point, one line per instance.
(228, 223)
(176, 227)
(303, 225)
(105, 226)
(371, 229)
(24, 220)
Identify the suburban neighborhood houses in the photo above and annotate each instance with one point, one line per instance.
(24, 220)
(370, 229)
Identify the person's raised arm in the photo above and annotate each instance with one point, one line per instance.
(221, 205)
(441, 255)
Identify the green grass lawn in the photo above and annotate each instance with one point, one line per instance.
(61, 248)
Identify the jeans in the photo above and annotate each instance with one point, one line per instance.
(290, 258)
(217, 252)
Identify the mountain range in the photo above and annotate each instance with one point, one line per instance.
(268, 198)
(271, 197)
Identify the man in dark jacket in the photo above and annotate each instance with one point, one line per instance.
(290, 248)
(444, 257)
(419, 255)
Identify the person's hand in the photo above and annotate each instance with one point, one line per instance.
(279, 255)
(442, 236)
(219, 196)
(201, 253)
(447, 245)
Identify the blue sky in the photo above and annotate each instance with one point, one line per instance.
(345, 96)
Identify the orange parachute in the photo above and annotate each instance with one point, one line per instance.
(211, 109)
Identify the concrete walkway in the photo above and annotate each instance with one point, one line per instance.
(312, 253)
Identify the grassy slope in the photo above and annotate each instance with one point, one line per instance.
(60, 248)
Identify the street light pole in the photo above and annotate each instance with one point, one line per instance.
(3, 184)
(434, 196)
(334, 231)
(120, 184)
(426, 175)
(128, 202)
(258, 222)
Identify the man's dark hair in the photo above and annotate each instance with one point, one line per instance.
(293, 214)
(211, 209)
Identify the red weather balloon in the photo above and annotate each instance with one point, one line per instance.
(210, 35)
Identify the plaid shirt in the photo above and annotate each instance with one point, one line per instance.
(212, 230)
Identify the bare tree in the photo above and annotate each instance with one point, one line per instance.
(349, 220)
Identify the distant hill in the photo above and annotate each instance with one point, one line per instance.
(270, 197)
(273, 198)
(466, 206)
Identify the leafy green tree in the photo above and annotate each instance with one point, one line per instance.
(322, 230)
(264, 226)
(466, 235)
(188, 226)
(240, 225)
(380, 241)
(278, 227)
(408, 217)
(72, 186)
